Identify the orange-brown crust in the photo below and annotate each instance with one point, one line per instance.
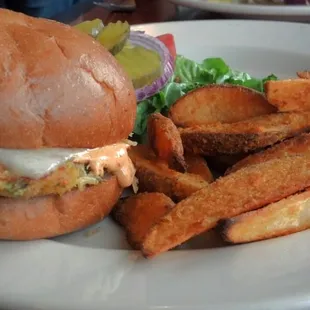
(199, 166)
(303, 74)
(219, 103)
(59, 87)
(245, 136)
(242, 191)
(213, 144)
(156, 176)
(289, 147)
(289, 95)
(138, 213)
(166, 141)
(51, 216)
(281, 218)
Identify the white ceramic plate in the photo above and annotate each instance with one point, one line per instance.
(94, 269)
(252, 11)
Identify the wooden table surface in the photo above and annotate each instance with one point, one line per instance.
(147, 11)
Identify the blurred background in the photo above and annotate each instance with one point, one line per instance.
(41, 8)
(148, 11)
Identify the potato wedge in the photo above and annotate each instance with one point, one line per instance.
(289, 147)
(289, 95)
(198, 165)
(165, 141)
(245, 136)
(244, 190)
(219, 103)
(138, 213)
(281, 218)
(304, 74)
(156, 176)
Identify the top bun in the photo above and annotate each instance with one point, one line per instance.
(59, 87)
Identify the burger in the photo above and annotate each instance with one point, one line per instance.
(67, 109)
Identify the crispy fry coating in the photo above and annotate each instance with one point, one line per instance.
(242, 191)
(219, 103)
(289, 95)
(289, 147)
(281, 218)
(156, 176)
(165, 141)
(137, 214)
(304, 74)
(245, 136)
(198, 165)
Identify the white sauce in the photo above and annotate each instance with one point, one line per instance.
(35, 164)
(38, 163)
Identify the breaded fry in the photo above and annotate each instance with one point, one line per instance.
(245, 136)
(304, 74)
(289, 95)
(281, 218)
(198, 165)
(165, 141)
(244, 190)
(155, 176)
(219, 103)
(137, 214)
(289, 147)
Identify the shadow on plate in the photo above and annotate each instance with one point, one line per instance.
(109, 235)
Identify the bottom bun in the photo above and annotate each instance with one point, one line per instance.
(50, 216)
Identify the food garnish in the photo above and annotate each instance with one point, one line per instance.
(146, 59)
(256, 128)
(159, 87)
(91, 27)
(167, 63)
(114, 36)
(142, 65)
(189, 75)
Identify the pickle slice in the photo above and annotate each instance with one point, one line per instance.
(114, 36)
(91, 27)
(142, 65)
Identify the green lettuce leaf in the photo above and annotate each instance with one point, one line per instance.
(189, 75)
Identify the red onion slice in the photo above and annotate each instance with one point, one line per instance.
(149, 42)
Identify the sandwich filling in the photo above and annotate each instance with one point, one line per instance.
(31, 173)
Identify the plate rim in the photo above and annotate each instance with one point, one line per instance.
(163, 24)
(247, 9)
